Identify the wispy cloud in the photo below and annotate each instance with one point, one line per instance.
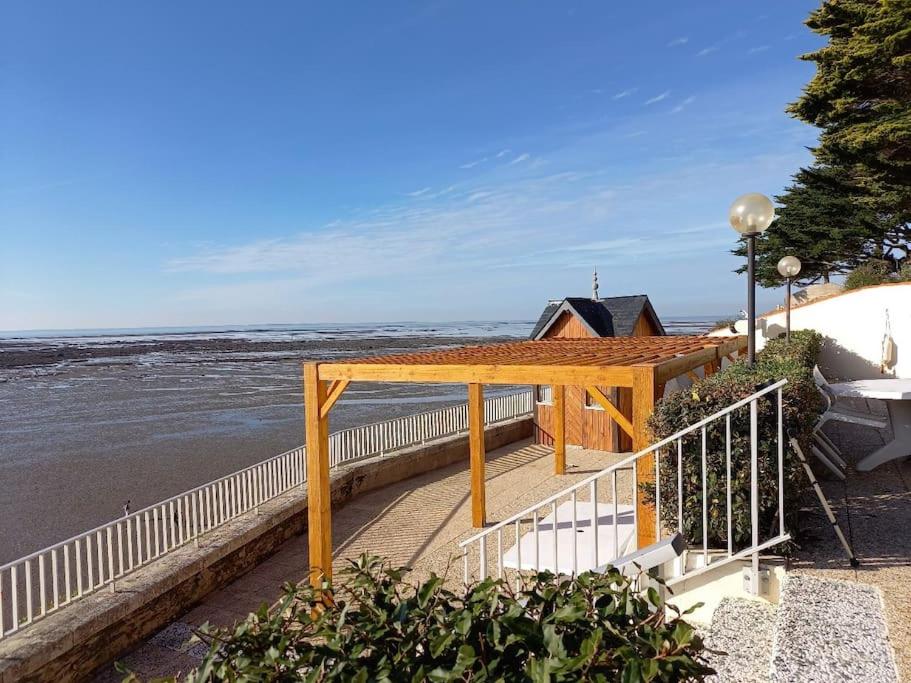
(677, 42)
(707, 50)
(525, 156)
(472, 164)
(624, 93)
(758, 48)
(418, 193)
(502, 153)
(685, 103)
(658, 98)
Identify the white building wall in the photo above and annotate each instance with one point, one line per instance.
(854, 326)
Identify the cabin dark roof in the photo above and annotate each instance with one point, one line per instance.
(613, 316)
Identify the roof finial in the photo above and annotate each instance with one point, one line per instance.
(595, 284)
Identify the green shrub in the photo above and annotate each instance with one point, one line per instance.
(904, 273)
(874, 272)
(596, 627)
(801, 408)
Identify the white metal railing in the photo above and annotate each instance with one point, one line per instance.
(383, 437)
(594, 505)
(48, 580)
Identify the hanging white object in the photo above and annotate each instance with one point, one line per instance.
(890, 353)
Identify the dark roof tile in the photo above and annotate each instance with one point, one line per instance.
(614, 316)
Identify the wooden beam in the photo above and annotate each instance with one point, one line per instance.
(611, 409)
(319, 502)
(336, 389)
(610, 375)
(644, 391)
(670, 369)
(476, 454)
(559, 413)
(738, 344)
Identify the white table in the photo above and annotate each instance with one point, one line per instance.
(542, 557)
(897, 395)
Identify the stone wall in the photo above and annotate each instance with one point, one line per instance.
(72, 643)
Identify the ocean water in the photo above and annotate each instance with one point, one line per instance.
(290, 332)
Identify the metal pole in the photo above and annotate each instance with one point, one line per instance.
(787, 315)
(751, 298)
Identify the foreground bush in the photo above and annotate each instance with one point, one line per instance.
(802, 407)
(380, 628)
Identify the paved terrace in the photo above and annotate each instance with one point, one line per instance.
(876, 508)
(420, 521)
(417, 522)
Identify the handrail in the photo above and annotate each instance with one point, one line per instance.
(558, 546)
(626, 461)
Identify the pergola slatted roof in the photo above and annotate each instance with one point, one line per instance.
(535, 362)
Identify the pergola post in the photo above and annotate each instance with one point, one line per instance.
(558, 392)
(319, 502)
(644, 396)
(476, 454)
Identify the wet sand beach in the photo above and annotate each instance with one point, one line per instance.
(86, 426)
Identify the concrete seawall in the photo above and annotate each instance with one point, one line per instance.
(72, 643)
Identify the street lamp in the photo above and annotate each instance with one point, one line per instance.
(788, 266)
(750, 215)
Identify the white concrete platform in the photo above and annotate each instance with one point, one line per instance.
(542, 558)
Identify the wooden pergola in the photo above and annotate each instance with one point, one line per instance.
(643, 364)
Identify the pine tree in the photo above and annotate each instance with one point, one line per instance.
(861, 97)
(823, 222)
(854, 204)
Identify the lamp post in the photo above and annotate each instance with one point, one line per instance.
(750, 215)
(788, 266)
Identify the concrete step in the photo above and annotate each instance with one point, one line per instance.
(744, 630)
(830, 630)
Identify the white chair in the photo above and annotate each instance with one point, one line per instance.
(823, 447)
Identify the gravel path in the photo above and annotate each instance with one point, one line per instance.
(744, 631)
(831, 631)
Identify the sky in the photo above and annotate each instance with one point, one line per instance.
(205, 163)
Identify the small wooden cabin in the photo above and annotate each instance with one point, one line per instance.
(587, 424)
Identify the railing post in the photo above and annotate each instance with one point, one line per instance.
(754, 494)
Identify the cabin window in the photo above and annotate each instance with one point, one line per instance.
(592, 404)
(544, 394)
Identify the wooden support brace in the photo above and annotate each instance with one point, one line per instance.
(319, 502)
(476, 454)
(336, 389)
(559, 412)
(612, 410)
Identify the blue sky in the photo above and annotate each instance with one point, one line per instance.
(217, 163)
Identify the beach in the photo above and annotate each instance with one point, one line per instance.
(91, 420)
